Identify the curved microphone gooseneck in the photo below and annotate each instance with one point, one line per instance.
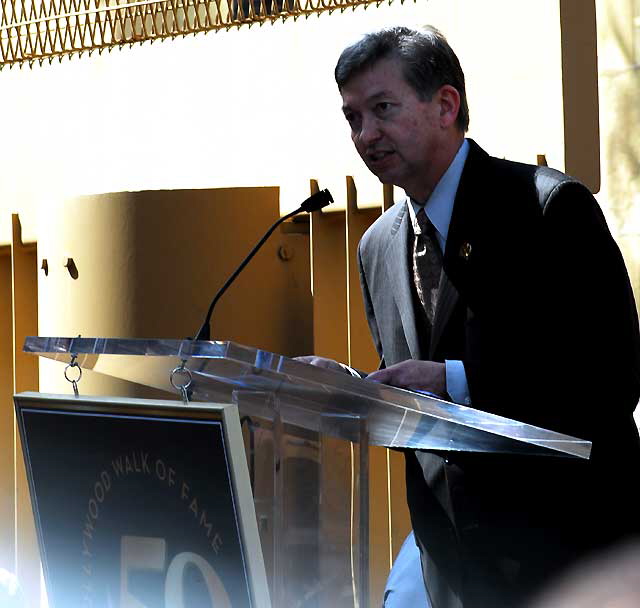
(313, 203)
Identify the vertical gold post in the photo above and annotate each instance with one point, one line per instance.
(7, 454)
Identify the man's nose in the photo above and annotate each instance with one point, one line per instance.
(370, 131)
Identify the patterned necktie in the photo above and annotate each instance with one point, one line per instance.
(427, 264)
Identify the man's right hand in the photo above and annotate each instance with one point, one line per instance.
(415, 375)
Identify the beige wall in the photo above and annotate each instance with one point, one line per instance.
(258, 106)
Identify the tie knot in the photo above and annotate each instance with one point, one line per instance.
(424, 223)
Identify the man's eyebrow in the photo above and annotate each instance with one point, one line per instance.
(380, 94)
(372, 98)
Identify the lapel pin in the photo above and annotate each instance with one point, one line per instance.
(465, 251)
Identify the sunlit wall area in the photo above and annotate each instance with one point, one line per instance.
(258, 106)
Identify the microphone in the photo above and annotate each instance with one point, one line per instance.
(313, 203)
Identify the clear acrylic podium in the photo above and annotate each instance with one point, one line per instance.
(312, 517)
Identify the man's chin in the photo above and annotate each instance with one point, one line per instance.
(385, 177)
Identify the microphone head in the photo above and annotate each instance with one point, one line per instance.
(317, 201)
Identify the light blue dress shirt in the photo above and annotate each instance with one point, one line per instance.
(439, 207)
(405, 585)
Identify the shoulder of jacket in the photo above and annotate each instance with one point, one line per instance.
(386, 225)
(547, 182)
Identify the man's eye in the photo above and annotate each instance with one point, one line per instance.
(383, 106)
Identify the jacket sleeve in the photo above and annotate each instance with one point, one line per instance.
(563, 339)
(368, 307)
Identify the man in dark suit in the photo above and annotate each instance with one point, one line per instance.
(498, 285)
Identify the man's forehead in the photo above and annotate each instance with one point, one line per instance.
(380, 78)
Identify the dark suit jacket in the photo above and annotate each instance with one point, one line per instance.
(536, 302)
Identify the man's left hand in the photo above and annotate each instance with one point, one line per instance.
(415, 375)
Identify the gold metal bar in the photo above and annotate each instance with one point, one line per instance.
(35, 30)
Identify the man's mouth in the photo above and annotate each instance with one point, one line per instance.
(379, 155)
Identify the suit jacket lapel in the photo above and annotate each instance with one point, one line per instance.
(447, 301)
(400, 275)
(460, 237)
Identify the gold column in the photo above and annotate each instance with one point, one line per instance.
(580, 91)
(7, 455)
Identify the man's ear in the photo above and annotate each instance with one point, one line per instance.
(449, 99)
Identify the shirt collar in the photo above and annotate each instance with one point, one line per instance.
(439, 206)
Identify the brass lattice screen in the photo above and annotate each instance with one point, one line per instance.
(35, 30)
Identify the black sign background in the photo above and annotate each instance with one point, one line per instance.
(99, 477)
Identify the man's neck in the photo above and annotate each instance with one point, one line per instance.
(447, 153)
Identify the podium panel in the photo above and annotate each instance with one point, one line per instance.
(141, 503)
(309, 395)
(312, 517)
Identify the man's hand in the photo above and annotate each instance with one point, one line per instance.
(325, 363)
(415, 375)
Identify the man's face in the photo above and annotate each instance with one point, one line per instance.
(396, 133)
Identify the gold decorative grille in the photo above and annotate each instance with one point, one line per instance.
(37, 30)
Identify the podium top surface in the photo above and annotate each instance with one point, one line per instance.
(307, 397)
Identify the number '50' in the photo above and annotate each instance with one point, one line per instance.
(144, 553)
